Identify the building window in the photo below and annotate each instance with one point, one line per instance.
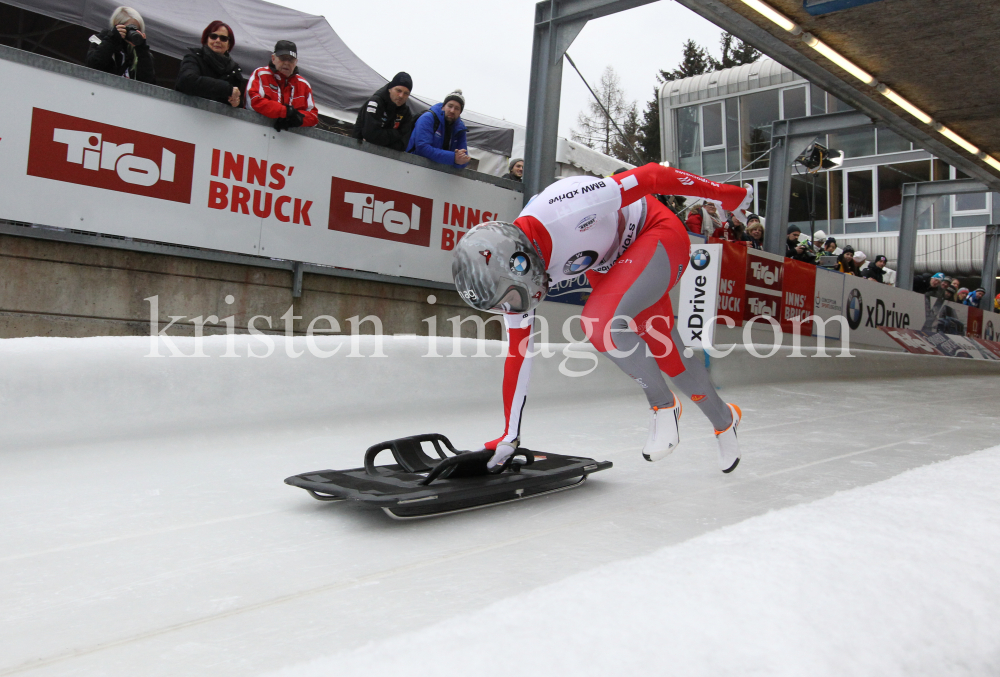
(889, 141)
(854, 144)
(890, 191)
(733, 155)
(969, 203)
(757, 112)
(817, 100)
(860, 203)
(689, 139)
(712, 134)
(793, 103)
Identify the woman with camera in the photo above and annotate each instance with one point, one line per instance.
(122, 49)
(209, 71)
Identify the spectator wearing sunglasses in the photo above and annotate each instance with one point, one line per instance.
(209, 71)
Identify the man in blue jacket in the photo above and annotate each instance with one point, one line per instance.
(439, 134)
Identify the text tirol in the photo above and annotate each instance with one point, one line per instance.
(260, 201)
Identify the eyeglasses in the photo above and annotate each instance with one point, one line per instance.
(216, 36)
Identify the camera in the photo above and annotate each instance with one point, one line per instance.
(133, 36)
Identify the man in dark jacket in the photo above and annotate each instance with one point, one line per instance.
(386, 120)
(209, 71)
(794, 249)
(439, 134)
(122, 49)
(875, 271)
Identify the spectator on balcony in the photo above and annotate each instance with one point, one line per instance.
(975, 297)
(439, 134)
(962, 295)
(756, 231)
(845, 262)
(996, 304)
(876, 269)
(209, 71)
(859, 262)
(515, 170)
(935, 287)
(947, 289)
(795, 248)
(122, 49)
(386, 120)
(278, 91)
(732, 231)
(955, 285)
(704, 220)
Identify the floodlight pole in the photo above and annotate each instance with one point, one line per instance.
(557, 23)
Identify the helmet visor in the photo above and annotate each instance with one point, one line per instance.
(514, 300)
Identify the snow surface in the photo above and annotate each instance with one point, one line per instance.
(897, 578)
(145, 529)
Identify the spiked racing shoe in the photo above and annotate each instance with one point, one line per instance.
(729, 447)
(664, 432)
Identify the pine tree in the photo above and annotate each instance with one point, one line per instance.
(649, 130)
(735, 52)
(694, 61)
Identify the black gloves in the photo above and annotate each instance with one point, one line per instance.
(293, 118)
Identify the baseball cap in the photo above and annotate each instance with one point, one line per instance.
(286, 48)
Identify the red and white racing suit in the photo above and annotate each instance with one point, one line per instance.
(633, 251)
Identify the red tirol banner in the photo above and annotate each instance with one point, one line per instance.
(974, 327)
(798, 288)
(763, 285)
(732, 283)
(81, 151)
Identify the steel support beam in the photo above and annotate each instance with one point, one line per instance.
(788, 139)
(992, 253)
(913, 195)
(557, 24)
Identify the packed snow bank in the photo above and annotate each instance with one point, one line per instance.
(896, 578)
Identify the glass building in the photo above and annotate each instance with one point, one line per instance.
(718, 125)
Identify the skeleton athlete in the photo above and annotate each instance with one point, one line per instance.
(633, 251)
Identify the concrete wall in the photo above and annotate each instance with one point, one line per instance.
(53, 288)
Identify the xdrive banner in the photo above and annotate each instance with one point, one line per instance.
(734, 285)
(87, 157)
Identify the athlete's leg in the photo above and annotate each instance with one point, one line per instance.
(637, 287)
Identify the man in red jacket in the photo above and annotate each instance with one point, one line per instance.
(278, 91)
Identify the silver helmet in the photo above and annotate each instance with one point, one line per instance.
(497, 269)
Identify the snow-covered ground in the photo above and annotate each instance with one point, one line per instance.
(145, 528)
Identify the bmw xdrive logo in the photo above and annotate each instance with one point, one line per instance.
(580, 262)
(519, 263)
(853, 308)
(700, 260)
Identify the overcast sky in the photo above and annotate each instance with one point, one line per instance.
(484, 47)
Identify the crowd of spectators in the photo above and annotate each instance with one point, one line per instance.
(278, 91)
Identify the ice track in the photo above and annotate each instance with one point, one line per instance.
(145, 528)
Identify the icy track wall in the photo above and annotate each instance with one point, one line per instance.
(57, 391)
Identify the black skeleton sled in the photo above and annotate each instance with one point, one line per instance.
(418, 485)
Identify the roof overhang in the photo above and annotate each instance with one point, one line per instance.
(938, 55)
